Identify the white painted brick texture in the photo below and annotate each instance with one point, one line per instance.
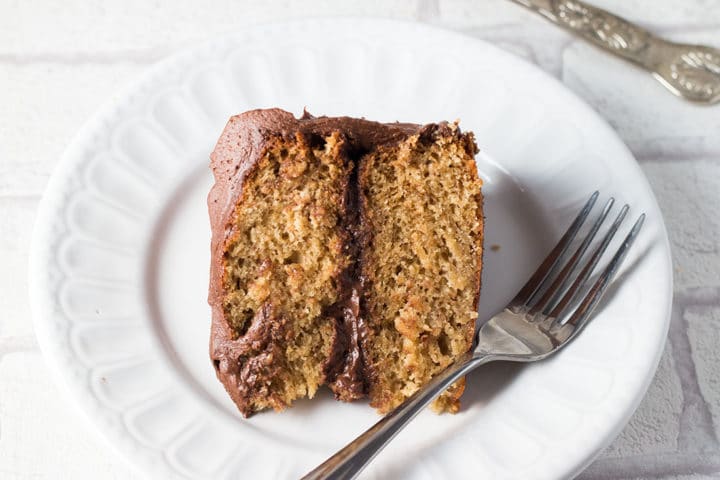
(59, 61)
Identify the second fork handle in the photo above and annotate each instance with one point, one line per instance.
(604, 29)
(348, 462)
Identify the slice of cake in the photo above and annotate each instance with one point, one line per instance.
(344, 252)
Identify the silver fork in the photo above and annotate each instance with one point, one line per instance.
(545, 315)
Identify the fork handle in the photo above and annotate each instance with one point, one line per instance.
(689, 71)
(348, 462)
(611, 33)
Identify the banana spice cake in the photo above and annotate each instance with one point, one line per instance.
(344, 253)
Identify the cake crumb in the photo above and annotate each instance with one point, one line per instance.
(495, 247)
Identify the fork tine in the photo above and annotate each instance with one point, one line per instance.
(557, 311)
(537, 278)
(551, 295)
(580, 316)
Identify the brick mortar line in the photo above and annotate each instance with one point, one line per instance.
(512, 32)
(427, 10)
(138, 57)
(658, 466)
(696, 425)
(679, 156)
(699, 296)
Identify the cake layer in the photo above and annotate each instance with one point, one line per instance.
(282, 269)
(421, 209)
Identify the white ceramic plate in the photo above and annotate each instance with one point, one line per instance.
(119, 267)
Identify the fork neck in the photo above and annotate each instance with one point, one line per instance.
(347, 463)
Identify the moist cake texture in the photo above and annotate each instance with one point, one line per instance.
(422, 211)
(344, 253)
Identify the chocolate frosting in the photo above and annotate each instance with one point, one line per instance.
(239, 148)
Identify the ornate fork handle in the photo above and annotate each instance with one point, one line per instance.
(602, 28)
(690, 71)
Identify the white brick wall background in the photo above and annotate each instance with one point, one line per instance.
(60, 60)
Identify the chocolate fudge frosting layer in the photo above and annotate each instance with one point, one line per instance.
(239, 148)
